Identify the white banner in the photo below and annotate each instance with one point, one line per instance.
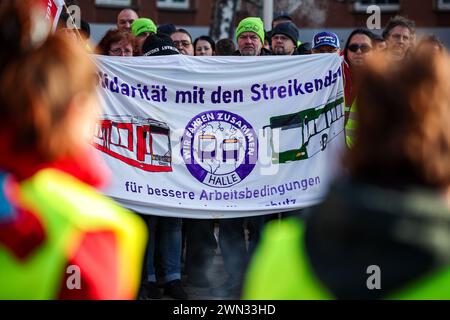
(218, 137)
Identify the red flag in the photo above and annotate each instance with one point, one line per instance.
(53, 9)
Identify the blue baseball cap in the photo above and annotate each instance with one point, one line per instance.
(325, 39)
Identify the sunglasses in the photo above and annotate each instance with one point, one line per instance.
(363, 47)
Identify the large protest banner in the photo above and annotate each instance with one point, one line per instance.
(215, 137)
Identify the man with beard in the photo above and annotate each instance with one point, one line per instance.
(250, 38)
(284, 39)
(400, 35)
(232, 235)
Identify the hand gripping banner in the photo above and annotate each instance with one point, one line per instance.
(220, 137)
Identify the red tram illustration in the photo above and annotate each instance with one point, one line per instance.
(143, 143)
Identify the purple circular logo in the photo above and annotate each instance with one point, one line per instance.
(219, 148)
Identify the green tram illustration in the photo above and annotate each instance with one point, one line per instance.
(311, 130)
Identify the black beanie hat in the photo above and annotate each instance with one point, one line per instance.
(167, 28)
(159, 45)
(288, 29)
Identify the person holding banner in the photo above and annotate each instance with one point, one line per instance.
(59, 237)
(250, 39)
(358, 48)
(117, 43)
(384, 232)
(204, 46)
(284, 38)
(325, 42)
(165, 232)
(141, 28)
(183, 41)
(199, 233)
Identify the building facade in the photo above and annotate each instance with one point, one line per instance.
(431, 16)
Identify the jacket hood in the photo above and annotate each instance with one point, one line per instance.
(406, 233)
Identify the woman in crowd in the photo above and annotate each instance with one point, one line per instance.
(117, 43)
(59, 238)
(204, 46)
(385, 231)
(359, 45)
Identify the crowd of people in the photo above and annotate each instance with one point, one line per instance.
(394, 90)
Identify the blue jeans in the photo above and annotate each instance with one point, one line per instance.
(166, 234)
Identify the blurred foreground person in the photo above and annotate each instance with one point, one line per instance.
(430, 43)
(385, 231)
(59, 238)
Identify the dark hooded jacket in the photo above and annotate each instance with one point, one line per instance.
(406, 233)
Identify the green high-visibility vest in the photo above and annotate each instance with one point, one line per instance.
(351, 125)
(280, 270)
(67, 209)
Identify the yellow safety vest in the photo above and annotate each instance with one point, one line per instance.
(280, 270)
(351, 125)
(68, 209)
